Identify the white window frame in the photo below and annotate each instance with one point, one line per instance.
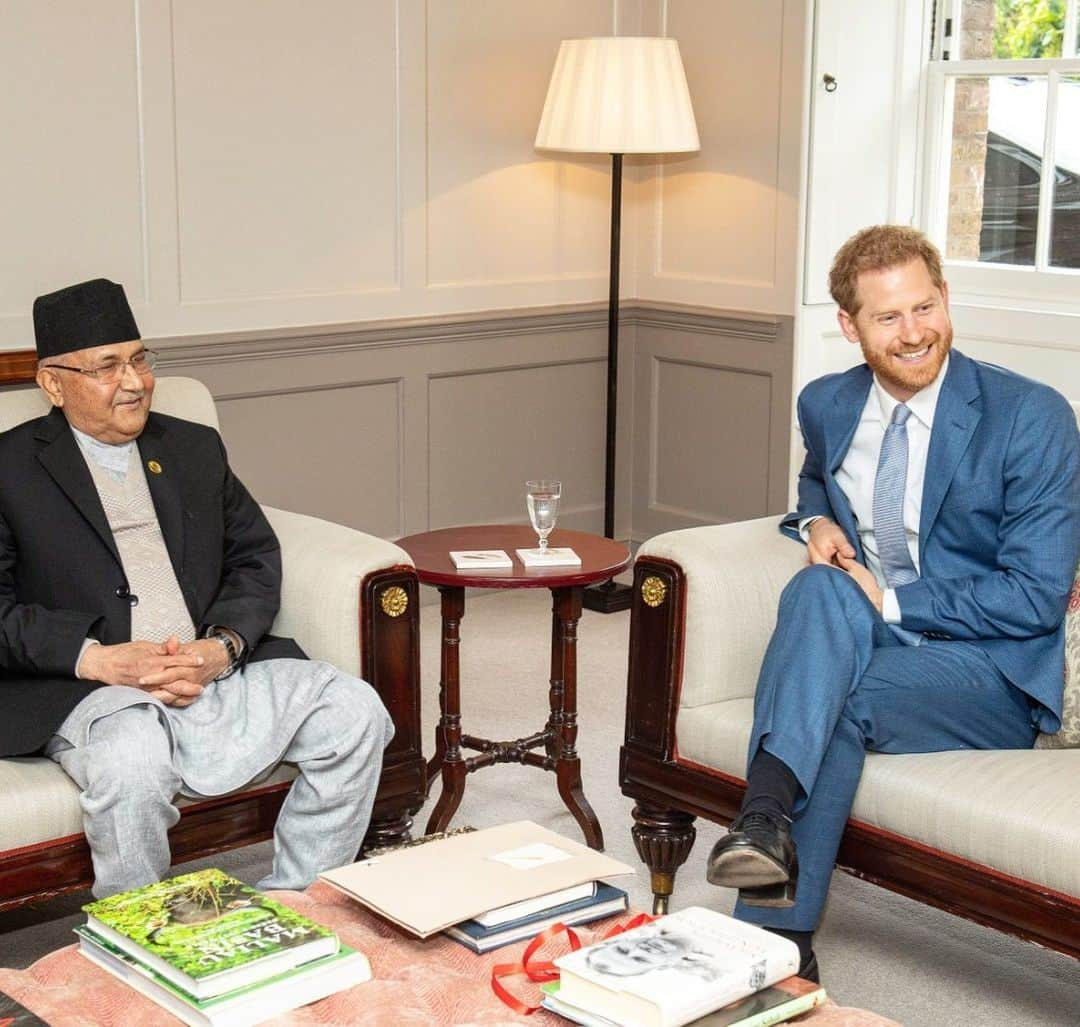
(1040, 286)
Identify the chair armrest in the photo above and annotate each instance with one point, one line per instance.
(324, 567)
(734, 576)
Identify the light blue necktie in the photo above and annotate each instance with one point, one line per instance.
(889, 488)
(889, 533)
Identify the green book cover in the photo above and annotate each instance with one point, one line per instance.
(15, 1014)
(207, 925)
(119, 956)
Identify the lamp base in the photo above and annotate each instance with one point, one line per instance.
(607, 597)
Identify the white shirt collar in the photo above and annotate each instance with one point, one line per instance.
(922, 405)
(112, 458)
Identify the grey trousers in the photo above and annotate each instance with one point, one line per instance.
(130, 776)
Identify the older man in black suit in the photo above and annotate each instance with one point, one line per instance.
(138, 581)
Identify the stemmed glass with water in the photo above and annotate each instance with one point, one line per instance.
(542, 499)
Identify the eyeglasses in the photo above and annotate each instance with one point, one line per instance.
(112, 372)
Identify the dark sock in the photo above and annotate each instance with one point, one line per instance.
(804, 939)
(771, 787)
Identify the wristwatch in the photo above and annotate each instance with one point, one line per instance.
(229, 644)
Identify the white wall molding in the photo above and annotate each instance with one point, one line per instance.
(255, 166)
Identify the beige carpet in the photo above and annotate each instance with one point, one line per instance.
(877, 950)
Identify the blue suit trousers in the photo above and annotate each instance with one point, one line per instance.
(836, 682)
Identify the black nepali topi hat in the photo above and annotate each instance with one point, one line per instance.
(94, 313)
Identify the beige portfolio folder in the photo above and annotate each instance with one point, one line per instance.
(428, 887)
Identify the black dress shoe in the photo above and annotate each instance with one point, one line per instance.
(758, 857)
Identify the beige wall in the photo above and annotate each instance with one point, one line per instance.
(262, 164)
(268, 179)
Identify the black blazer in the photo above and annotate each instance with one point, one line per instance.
(61, 579)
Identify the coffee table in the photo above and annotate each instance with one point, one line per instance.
(601, 558)
(416, 983)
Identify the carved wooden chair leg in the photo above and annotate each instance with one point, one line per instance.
(663, 839)
(394, 827)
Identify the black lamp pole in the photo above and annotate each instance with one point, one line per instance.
(609, 597)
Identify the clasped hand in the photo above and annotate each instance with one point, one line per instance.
(173, 672)
(829, 545)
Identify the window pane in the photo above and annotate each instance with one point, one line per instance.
(997, 143)
(1065, 215)
(1017, 29)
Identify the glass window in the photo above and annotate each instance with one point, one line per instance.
(1065, 213)
(996, 168)
(1004, 102)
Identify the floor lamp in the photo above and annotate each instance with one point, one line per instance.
(617, 95)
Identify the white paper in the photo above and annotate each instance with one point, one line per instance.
(529, 857)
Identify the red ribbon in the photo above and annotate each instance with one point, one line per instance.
(544, 970)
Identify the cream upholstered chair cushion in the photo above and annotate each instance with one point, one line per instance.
(734, 576)
(1022, 818)
(40, 803)
(324, 565)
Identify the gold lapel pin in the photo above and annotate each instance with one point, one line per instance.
(155, 467)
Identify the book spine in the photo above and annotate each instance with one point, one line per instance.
(780, 1014)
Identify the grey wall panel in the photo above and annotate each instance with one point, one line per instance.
(699, 411)
(330, 452)
(712, 418)
(397, 427)
(492, 430)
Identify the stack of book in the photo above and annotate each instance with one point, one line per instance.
(213, 951)
(579, 904)
(696, 966)
(455, 881)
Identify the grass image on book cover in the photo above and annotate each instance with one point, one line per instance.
(250, 1004)
(203, 929)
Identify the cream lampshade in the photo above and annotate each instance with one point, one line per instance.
(617, 95)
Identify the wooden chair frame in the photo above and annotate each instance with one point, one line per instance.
(390, 644)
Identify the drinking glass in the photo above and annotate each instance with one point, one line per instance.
(542, 499)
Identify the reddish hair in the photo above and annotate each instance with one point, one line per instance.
(878, 248)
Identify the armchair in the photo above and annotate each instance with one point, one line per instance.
(348, 598)
(1000, 849)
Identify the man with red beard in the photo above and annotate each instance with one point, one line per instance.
(939, 501)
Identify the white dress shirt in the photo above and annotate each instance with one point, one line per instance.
(856, 474)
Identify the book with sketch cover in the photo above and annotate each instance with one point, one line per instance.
(207, 932)
(777, 1004)
(674, 970)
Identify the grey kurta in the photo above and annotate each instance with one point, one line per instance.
(131, 754)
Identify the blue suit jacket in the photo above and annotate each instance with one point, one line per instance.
(999, 534)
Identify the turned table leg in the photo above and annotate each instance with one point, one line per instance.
(566, 610)
(448, 756)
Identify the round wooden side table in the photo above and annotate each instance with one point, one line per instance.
(601, 558)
